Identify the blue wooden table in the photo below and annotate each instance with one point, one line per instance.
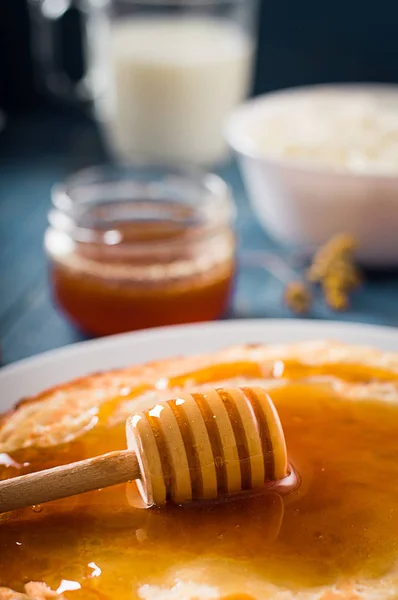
(38, 150)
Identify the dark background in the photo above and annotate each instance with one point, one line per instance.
(302, 41)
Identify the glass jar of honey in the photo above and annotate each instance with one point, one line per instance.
(138, 247)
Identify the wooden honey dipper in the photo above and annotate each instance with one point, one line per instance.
(195, 447)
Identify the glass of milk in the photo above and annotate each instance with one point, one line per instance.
(163, 74)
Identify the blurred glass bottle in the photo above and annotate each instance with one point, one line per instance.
(162, 74)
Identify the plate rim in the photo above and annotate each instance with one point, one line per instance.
(164, 332)
(31, 376)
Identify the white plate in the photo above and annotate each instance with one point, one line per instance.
(36, 374)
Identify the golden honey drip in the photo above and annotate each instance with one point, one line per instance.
(341, 524)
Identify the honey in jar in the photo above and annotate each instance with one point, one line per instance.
(138, 248)
(335, 533)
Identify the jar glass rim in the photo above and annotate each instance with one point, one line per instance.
(142, 187)
(180, 3)
(161, 5)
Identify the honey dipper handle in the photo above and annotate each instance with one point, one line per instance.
(67, 480)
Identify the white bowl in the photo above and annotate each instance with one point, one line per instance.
(304, 205)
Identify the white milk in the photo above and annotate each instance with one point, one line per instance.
(175, 79)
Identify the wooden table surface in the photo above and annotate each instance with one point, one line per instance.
(36, 152)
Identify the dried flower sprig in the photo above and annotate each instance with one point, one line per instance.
(334, 269)
(298, 297)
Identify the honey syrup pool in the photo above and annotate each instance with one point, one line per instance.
(340, 525)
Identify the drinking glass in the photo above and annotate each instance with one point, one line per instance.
(161, 74)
